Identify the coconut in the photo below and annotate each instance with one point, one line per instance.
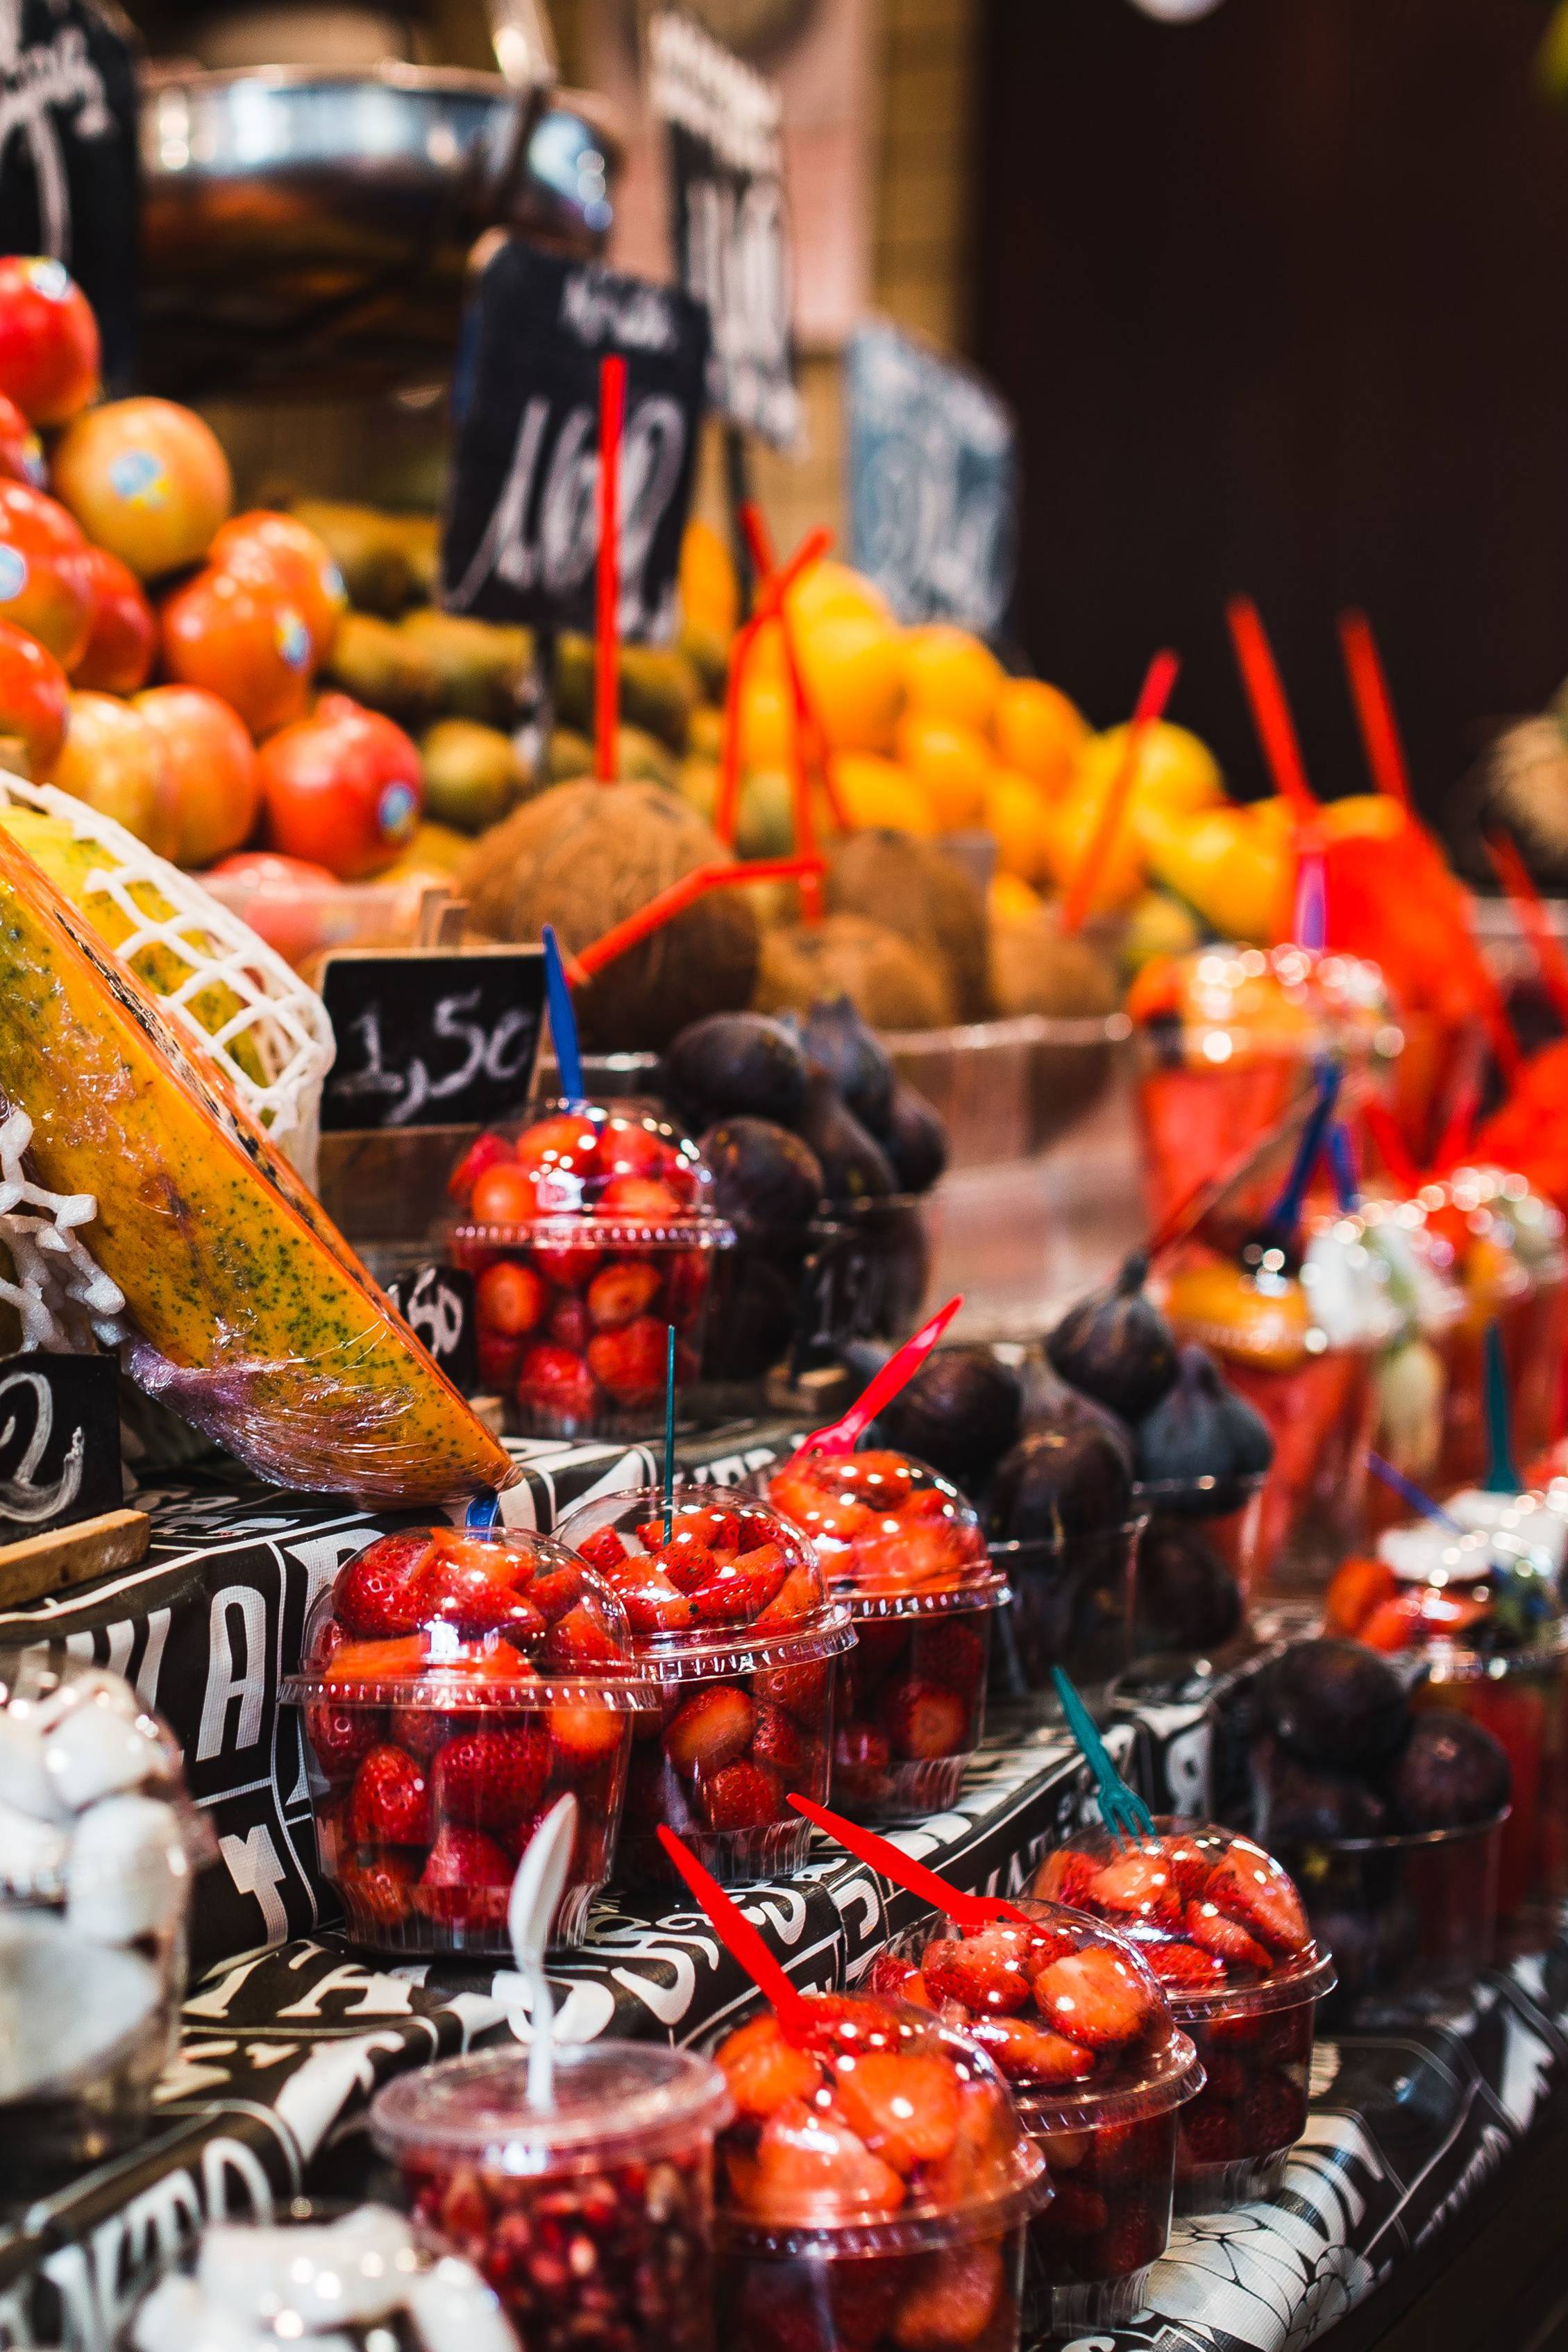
(1034, 969)
(916, 889)
(585, 856)
(804, 964)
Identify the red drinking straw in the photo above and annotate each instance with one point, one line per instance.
(674, 901)
(1270, 711)
(1375, 715)
(842, 1436)
(769, 606)
(1392, 1150)
(1152, 697)
(607, 681)
(811, 736)
(967, 1910)
(1533, 920)
(738, 1937)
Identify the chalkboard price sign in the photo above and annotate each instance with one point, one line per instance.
(436, 1302)
(59, 1442)
(933, 483)
(431, 1038)
(521, 535)
(729, 220)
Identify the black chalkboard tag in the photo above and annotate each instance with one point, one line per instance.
(933, 466)
(436, 1302)
(59, 1442)
(729, 220)
(520, 538)
(69, 174)
(430, 1037)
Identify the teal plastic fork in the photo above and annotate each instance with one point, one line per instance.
(1122, 1809)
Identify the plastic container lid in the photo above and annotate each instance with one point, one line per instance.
(1227, 1003)
(1258, 1312)
(876, 2130)
(1219, 1921)
(1017, 1990)
(1535, 1225)
(615, 2102)
(465, 1617)
(595, 1174)
(734, 1589)
(1418, 1266)
(895, 1538)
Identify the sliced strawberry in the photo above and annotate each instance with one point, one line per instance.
(378, 1886)
(979, 1973)
(763, 2069)
(1065, 1876)
(1250, 1886)
(801, 1691)
(898, 1980)
(390, 1801)
(1094, 1997)
(423, 1729)
(499, 1361)
(651, 1602)
(1273, 2115)
(604, 1550)
(1137, 1885)
(342, 1736)
(584, 1736)
(376, 1596)
(904, 2107)
(553, 1381)
(476, 1589)
(1210, 2133)
(810, 2165)
(713, 1727)
(708, 1525)
(629, 1364)
(1029, 2053)
(797, 1598)
(465, 1881)
(570, 1265)
(1355, 1589)
(1213, 1930)
(881, 1479)
(486, 1151)
(689, 1566)
(580, 1641)
(1135, 2235)
(639, 1201)
(379, 1661)
(627, 1148)
(1189, 1862)
(953, 2297)
(1182, 1967)
(557, 1590)
(923, 1721)
(569, 1325)
(619, 1293)
(860, 1748)
(952, 1654)
(489, 1780)
(1394, 1624)
(744, 1796)
(742, 1588)
(510, 1299)
(779, 1741)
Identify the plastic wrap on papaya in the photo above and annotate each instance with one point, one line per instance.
(255, 1319)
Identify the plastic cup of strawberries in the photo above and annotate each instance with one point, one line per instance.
(906, 1549)
(588, 1235)
(591, 2218)
(1083, 2030)
(455, 1684)
(875, 2186)
(731, 1619)
(1222, 1925)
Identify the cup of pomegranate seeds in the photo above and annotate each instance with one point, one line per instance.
(732, 1620)
(874, 2188)
(591, 2217)
(1222, 1926)
(455, 1683)
(588, 1235)
(1099, 2068)
(900, 1544)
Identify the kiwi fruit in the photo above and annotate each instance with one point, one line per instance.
(915, 888)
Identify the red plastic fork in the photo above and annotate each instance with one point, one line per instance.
(966, 1910)
(738, 1937)
(842, 1436)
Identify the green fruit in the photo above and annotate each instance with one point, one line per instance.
(568, 756)
(1156, 925)
(704, 736)
(574, 682)
(639, 759)
(383, 667)
(659, 688)
(368, 549)
(697, 784)
(764, 821)
(481, 668)
(707, 650)
(472, 774)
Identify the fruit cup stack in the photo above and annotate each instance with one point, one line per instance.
(455, 1684)
(874, 2188)
(1083, 2033)
(590, 2215)
(901, 1546)
(1222, 1928)
(588, 1236)
(731, 1621)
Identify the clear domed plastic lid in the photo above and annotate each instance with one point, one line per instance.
(887, 1528)
(1071, 2012)
(1225, 1001)
(612, 2103)
(1264, 1308)
(1418, 1265)
(716, 1583)
(1217, 1920)
(867, 2122)
(465, 1617)
(599, 1172)
(1497, 1210)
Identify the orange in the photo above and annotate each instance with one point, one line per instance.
(876, 792)
(1071, 826)
(952, 762)
(147, 479)
(1175, 770)
(709, 596)
(1039, 731)
(1011, 901)
(766, 722)
(830, 591)
(1014, 811)
(851, 665)
(948, 674)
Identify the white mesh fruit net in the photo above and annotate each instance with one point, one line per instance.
(62, 1300)
(234, 996)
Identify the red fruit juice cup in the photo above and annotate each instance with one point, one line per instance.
(593, 2218)
(905, 1550)
(875, 2186)
(1083, 2033)
(1520, 1696)
(733, 1624)
(455, 1684)
(587, 1235)
(1222, 1925)
(1226, 1039)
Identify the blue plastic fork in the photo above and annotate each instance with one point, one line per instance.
(1122, 1809)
